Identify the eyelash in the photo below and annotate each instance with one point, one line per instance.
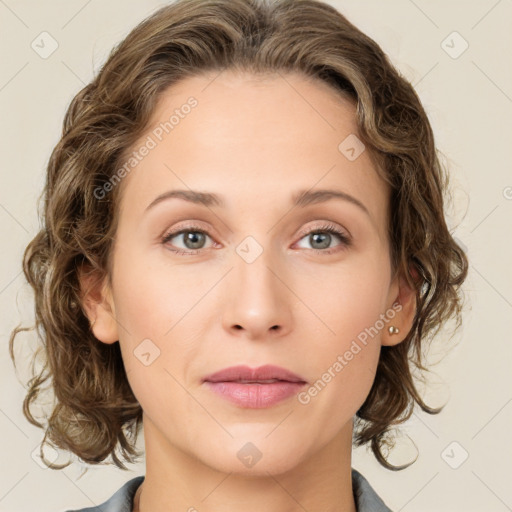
(326, 228)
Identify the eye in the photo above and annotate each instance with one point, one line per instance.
(321, 242)
(193, 239)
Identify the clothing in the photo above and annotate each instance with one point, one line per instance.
(367, 500)
(365, 497)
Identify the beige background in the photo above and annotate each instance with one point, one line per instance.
(469, 102)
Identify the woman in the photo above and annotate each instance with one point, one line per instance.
(244, 251)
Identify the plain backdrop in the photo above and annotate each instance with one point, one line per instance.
(464, 453)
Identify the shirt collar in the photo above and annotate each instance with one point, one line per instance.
(366, 499)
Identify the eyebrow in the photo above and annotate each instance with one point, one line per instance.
(301, 199)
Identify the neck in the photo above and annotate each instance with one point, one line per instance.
(176, 480)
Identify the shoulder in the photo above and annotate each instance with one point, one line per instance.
(367, 500)
(120, 501)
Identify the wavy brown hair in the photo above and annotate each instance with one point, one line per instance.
(96, 412)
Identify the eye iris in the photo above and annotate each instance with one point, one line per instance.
(324, 245)
(192, 236)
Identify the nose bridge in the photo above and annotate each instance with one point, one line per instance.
(258, 296)
(253, 264)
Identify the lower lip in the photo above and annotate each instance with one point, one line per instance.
(255, 396)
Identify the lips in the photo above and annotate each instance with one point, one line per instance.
(266, 374)
(256, 388)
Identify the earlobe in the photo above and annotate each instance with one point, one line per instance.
(403, 302)
(98, 304)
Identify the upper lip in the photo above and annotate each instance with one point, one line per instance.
(245, 373)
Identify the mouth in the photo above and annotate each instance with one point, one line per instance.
(268, 381)
(267, 374)
(254, 388)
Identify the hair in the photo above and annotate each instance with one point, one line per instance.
(96, 412)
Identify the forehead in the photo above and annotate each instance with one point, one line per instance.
(254, 138)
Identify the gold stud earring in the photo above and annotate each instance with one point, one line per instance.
(393, 330)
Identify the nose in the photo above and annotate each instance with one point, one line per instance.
(259, 304)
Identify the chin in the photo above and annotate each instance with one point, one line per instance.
(254, 456)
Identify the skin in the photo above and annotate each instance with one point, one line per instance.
(254, 141)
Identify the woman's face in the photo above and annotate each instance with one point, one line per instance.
(252, 286)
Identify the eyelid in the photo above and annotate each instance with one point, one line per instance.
(187, 227)
(326, 225)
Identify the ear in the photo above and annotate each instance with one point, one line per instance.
(98, 304)
(404, 295)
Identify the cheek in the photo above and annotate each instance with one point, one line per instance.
(347, 332)
(344, 373)
(345, 302)
(158, 312)
(151, 296)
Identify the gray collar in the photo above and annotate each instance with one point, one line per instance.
(365, 497)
